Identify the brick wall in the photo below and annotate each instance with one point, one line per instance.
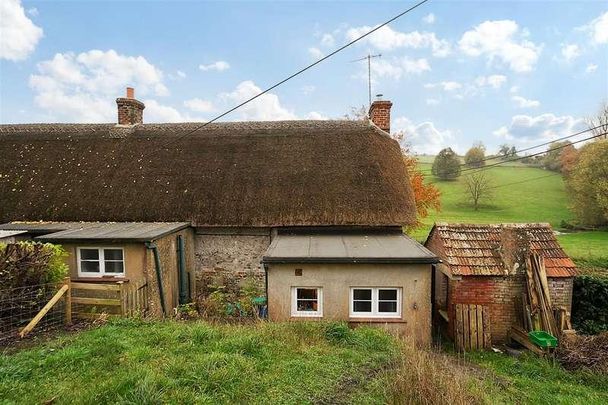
(503, 295)
(380, 114)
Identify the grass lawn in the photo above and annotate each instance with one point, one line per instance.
(588, 249)
(533, 380)
(129, 361)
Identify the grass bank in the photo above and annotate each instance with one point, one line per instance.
(158, 362)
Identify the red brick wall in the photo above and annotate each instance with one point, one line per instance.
(380, 114)
(503, 295)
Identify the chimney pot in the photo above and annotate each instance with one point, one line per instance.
(130, 110)
(380, 114)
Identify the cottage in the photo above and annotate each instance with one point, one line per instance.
(239, 186)
(484, 264)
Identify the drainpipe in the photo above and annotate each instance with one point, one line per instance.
(266, 288)
(181, 265)
(152, 246)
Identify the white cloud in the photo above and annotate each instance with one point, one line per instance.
(432, 101)
(308, 89)
(218, 66)
(33, 11)
(395, 68)
(156, 112)
(598, 29)
(178, 75)
(424, 137)
(387, 39)
(522, 102)
(82, 87)
(445, 86)
(514, 89)
(314, 115)
(501, 40)
(199, 105)
(570, 52)
(429, 18)
(19, 34)
(494, 81)
(528, 129)
(327, 40)
(315, 53)
(592, 67)
(265, 108)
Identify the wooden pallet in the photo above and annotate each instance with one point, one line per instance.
(472, 328)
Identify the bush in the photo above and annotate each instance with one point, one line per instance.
(25, 264)
(223, 297)
(590, 305)
(475, 157)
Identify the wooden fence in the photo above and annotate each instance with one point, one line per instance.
(472, 329)
(90, 300)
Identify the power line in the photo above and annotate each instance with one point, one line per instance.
(531, 147)
(516, 182)
(477, 170)
(292, 75)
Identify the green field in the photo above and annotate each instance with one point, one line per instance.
(537, 196)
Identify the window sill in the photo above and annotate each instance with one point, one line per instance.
(99, 279)
(307, 317)
(376, 320)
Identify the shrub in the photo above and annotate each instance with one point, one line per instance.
(590, 304)
(223, 297)
(475, 157)
(25, 264)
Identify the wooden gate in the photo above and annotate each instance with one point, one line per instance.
(472, 328)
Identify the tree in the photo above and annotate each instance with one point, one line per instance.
(568, 160)
(601, 121)
(587, 184)
(475, 157)
(356, 114)
(446, 165)
(551, 160)
(478, 188)
(503, 150)
(512, 152)
(427, 196)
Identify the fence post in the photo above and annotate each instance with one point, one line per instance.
(68, 301)
(121, 291)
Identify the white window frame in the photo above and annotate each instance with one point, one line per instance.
(294, 305)
(102, 264)
(375, 313)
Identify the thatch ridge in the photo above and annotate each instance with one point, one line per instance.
(280, 173)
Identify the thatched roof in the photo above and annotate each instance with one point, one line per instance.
(282, 173)
(480, 249)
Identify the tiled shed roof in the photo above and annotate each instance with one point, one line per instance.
(478, 249)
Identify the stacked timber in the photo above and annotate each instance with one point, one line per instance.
(538, 311)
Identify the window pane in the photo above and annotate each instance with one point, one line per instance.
(307, 305)
(89, 254)
(387, 306)
(112, 254)
(307, 293)
(89, 267)
(114, 267)
(362, 306)
(361, 294)
(389, 295)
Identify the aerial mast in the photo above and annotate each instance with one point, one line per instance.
(369, 73)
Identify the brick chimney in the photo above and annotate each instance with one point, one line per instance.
(515, 248)
(380, 114)
(130, 110)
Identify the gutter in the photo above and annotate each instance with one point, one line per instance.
(366, 260)
(152, 246)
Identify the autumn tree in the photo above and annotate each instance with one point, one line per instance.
(475, 156)
(587, 184)
(427, 196)
(446, 165)
(478, 188)
(552, 159)
(599, 123)
(568, 160)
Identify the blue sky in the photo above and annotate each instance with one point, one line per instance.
(457, 71)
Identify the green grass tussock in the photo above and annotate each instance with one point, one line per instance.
(134, 361)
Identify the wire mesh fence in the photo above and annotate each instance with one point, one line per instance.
(19, 305)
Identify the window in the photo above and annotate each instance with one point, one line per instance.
(375, 302)
(306, 301)
(98, 262)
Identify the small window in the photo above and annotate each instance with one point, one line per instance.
(98, 262)
(306, 301)
(374, 302)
